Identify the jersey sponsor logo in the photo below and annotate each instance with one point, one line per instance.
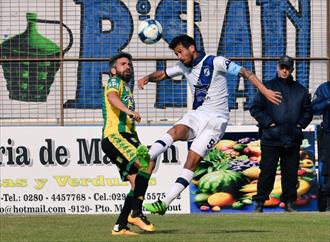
(206, 71)
(131, 102)
(227, 62)
(201, 92)
(113, 83)
(129, 98)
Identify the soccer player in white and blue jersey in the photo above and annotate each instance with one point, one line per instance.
(205, 124)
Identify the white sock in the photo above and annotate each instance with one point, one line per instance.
(180, 184)
(116, 227)
(160, 145)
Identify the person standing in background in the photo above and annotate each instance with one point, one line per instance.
(280, 131)
(321, 106)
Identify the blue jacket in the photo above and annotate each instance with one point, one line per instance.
(281, 125)
(321, 105)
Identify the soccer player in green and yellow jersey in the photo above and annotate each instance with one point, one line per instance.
(120, 142)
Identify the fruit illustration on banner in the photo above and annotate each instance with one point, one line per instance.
(227, 177)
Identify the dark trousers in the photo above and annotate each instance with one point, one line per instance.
(324, 158)
(289, 162)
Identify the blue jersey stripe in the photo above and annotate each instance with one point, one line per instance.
(204, 81)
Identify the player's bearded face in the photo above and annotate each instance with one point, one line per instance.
(184, 54)
(126, 75)
(124, 69)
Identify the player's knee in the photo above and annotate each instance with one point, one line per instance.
(173, 132)
(179, 132)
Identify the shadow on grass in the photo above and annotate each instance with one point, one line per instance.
(173, 231)
(166, 231)
(241, 231)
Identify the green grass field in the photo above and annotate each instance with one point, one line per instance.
(312, 226)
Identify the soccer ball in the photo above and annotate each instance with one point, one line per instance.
(150, 31)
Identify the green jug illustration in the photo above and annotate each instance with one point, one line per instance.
(30, 81)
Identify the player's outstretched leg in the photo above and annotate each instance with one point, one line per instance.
(156, 207)
(142, 153)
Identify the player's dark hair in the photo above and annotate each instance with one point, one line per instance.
(184, 40)
(118, 56)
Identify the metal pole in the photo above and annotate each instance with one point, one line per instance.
(190, 18)
(190, 32)
(61, 67)
(142, 58)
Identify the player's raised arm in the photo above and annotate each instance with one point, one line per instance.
(272, 96)
(153, 77)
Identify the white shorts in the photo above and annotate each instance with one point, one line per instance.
(206, 129)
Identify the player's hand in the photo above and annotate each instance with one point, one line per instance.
(142, 82)
(273, 97)
(135, 116)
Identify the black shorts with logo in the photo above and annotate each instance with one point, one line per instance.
(121, 149)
